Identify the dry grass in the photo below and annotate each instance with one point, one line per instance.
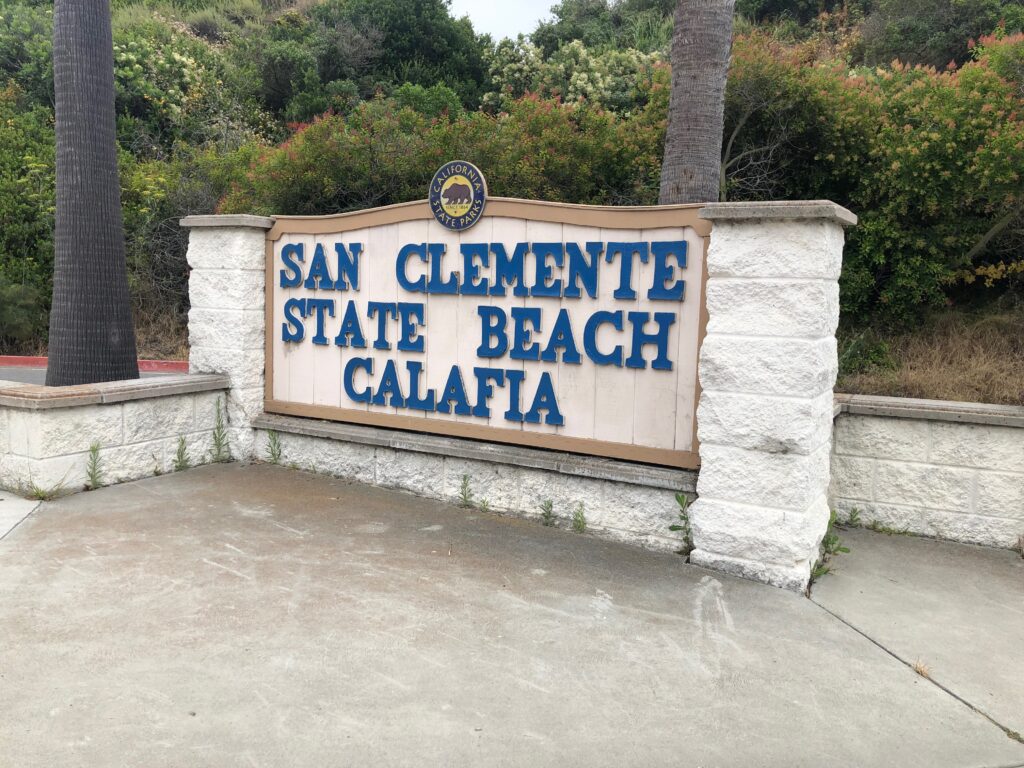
(922, 669)
(953, 356)
(161, 335)
(158, 335)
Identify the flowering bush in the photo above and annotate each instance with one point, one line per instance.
(611, 79)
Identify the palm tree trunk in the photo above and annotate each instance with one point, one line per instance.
(701, 44)
(91, 333)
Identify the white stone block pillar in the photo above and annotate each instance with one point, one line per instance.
(767, 368)
(226, 323)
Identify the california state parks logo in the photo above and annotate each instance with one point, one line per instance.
(458, 193)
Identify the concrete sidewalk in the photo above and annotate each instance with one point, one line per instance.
(260, 616)
(955, 610)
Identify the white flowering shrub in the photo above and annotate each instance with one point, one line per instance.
(574, 73)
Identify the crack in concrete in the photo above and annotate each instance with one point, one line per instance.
(28, 514)
(1010, 733)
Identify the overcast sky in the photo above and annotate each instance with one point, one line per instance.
(503, 18)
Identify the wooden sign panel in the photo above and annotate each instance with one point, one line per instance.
(574, 328)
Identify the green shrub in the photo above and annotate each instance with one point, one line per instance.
(537, 149)
(22, 316)
(26, 192)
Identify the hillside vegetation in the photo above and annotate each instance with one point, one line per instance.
(909, 112)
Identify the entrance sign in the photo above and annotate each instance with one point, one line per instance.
(556, 326)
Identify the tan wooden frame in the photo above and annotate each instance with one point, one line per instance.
(608, 217)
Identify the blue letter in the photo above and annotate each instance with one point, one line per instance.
(545, 400)
(515, 383)
(471, 285)
(508, 269)
(412, 316)
(596, 320)
(561, 336)
(663, 271)
(348, 266)
(425, 403)
(484, 390)
(436, 285)
(383, 310)
(492, 326)
(541, 251)
(581, 269)
(523, 335)
(366, 363)
(625, 252)
(389, 385)
(454, 392)
(294, 279)
(290, 308)
(659, 338)
(319, 306)
(420, 285)
(318, 271)
(350, 328)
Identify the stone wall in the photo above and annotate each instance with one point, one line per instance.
(767, 368)
(226, 324)
(46, 433)
(949, 470)
(620, 501)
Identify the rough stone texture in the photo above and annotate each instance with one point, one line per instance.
(764, 423)
(226, 320)
(853, 475)
(981, 446)
(498, 485)
(205, 326)
(222, 288)
(164, 416)
(47, 450)
(234, 246)
(794, 577)
(963, 482)
(64, 431)
(244, 367)
(550, 462)
(770, 366)
(774, 249)
(767, 368)
(782, 480)
(882, 438)
(807, 309)
(924, 484)
(760, 533)
(636, 514)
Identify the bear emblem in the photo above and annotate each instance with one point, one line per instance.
(458, 194)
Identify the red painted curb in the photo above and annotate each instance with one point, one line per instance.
(145, 366)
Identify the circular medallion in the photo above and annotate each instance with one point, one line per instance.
(458, 193)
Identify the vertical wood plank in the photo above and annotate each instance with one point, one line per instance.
(508, 232)
(442, 323)
(615, 387)
(577, 384)
(689, 342)
(654, 410)
(298, 357)
(541, 232)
